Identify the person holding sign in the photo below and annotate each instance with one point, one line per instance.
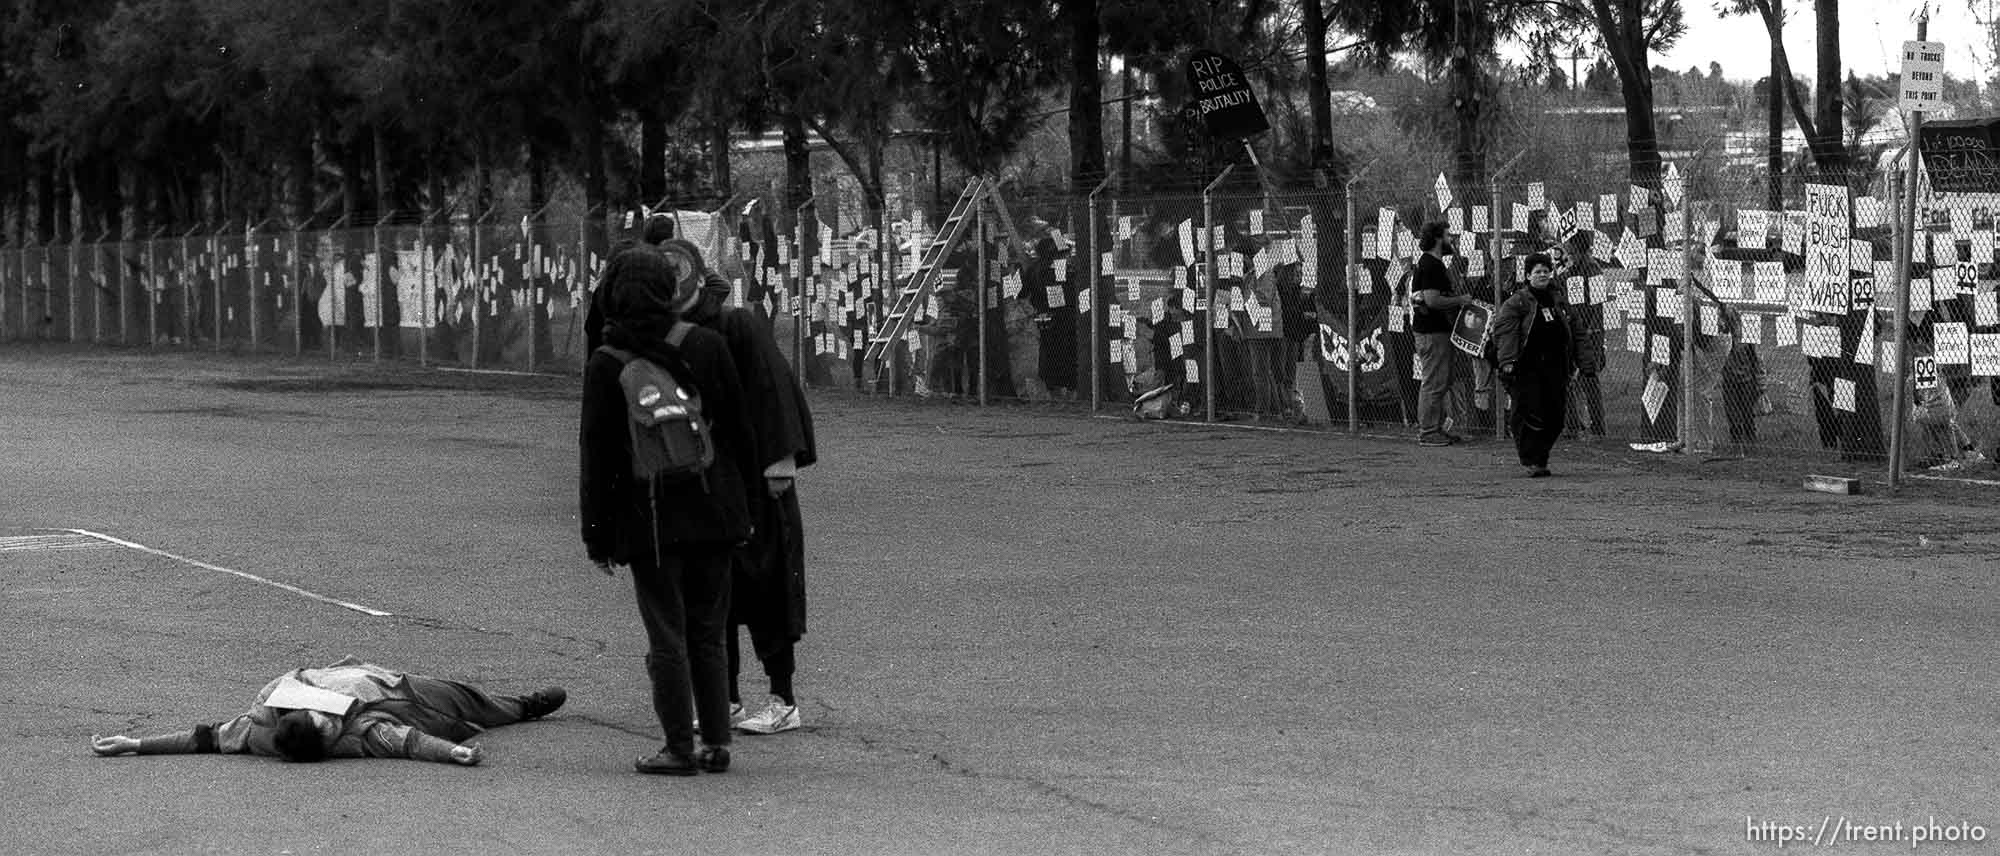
(1541, 346)
(1434, 306)
(352, 709)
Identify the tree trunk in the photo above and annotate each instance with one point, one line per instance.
(1468, 88)
(482, 182)
(383, 206)
(303, 198)
(719, 156)
(1829, 146)
(538, 177)
(1830, 154)
(652, 157)
(596, 192)
(1625, 33)
(353, 187)
(798, 176)
(1316, 90)
(113, 197)
(45, 199)
(1086, 112)
(1775, 95)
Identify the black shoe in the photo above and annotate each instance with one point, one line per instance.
(665, 763)
(712, 759)
(543, 702)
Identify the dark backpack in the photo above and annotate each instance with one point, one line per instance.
(671, 440)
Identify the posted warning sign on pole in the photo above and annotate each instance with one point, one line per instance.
(1923, 76)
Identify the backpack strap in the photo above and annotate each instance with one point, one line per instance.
(678, 333)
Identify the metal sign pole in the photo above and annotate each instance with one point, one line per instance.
(1099, 303)
(1905, 252)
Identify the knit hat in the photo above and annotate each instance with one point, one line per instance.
(659, 228)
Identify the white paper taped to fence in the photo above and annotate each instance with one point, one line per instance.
(1986, 354)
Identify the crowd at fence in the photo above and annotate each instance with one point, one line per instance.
(1723, 327)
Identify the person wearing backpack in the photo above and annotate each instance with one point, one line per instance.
(767, 590)
(667, 450)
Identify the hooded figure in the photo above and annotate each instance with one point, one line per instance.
(768, 592)
(678, 536)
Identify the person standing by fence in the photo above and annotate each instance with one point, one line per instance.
(1540, 346)
(1435, 308)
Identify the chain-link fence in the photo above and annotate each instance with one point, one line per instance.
(1712, 324)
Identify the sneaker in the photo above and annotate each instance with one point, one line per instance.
(1539, 473)
(1434, 440)
(712, 759)
(775, 717)
(543, 702)
(666, 763)
(735, 716)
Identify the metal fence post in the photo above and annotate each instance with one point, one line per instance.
(1208, 287)
(979, 271)
(532, 297)
(153, 286)
(1904, 196)
(1906, 221)
(802, 323)
(296, 268)
(1690, 325)
(1099, 303)
(1355, 270)
(250, 272)
(159, 281)
(477, 269)
(74, 239)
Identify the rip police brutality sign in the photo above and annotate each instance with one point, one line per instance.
(1222, 97)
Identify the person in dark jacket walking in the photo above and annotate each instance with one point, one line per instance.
(768, 587)
(678, 536)
(1541, 346)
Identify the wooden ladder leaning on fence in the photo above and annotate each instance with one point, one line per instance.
(913, 297)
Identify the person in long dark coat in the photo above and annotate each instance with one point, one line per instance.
(1542, 347)
(768, 584)
(679, 536)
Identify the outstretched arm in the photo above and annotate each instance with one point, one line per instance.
(201, 738)
(395, 740)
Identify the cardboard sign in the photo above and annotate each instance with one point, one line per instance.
(1474, 324)
(1962, 156)
(1223, 99)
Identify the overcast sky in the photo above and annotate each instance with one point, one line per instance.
(1871, 34)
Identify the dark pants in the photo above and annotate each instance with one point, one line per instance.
(1540, 405)
(774, 650)
(684, 603)
(765, 595)
(451, 710)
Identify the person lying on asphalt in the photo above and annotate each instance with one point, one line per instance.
(352, 709)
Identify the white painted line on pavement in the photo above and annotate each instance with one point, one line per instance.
(494, 372)
(248, 576)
